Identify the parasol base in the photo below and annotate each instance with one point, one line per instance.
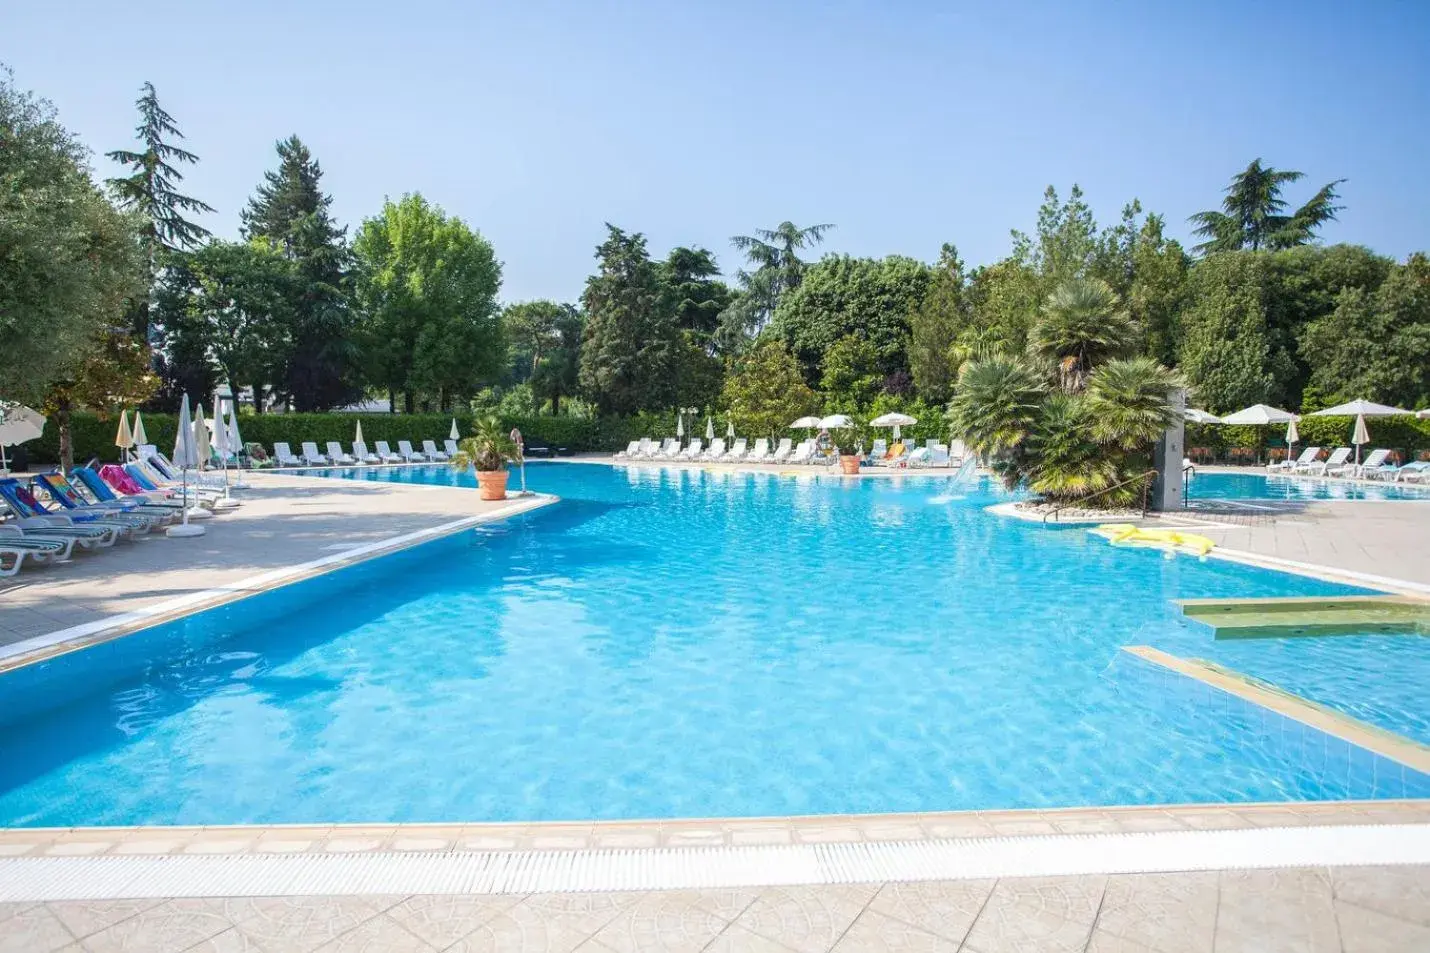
(185, 530)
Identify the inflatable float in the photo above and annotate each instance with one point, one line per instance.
(1170, 541)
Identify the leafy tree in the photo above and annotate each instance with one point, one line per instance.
(427, 286)
(1003, 306)
(1253, 213)
(1157, 291)
(1083, 323)
(290, 210)
(767, 391)
(841, 296)
(545, 338)
(151, 190)
(695, 295)
(935, 325)
(1066, 245)
(70, 265)
(238, 306)
(631, 344)
(1225, 351)
(699, 375)
(774, 253)
(1374, 345)
(851, 377)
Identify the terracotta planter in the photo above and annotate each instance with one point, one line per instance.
(492, 483)
(849, 463)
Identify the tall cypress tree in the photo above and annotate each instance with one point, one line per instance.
(291, 210)
(152, 190)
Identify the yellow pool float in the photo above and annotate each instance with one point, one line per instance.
(1170, 541)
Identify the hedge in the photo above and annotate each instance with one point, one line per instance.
(94, 437)
(1408, 436)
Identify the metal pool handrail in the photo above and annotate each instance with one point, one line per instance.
(1107, 489)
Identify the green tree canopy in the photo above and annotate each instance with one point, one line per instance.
(545, 342)
(766, 391)
(630, 349)
(427, 287)
(70, 263)
(935, 326)
(1083, 323)
(1253, 214)
(841, 296)
(776, 268)
(851, 377)
(1225, 351)
(1376, 345)
(696, 296)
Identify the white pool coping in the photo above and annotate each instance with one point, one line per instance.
(33, 879)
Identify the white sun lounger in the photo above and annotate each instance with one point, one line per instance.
(384, 453)
(670, 449)
(363, 454)
(1307, 457)
(312, 456)
(802, 453)
(451, 447)
(283, 454)
(783, 451)
(429, 449)
(716, 451)
(1415, 472)
(691, 452)
(1375, 461)
(632, 449)
(1337, 459)
(336, 454)
(738, 451)
(761, 451)
(404, 450)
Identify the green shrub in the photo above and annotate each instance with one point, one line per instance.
(1408, 436)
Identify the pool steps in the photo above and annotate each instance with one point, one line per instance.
(1310, 616)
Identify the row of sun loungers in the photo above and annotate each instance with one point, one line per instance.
(284, 456)
(1376, 466)
(92, 509)
(932, 454)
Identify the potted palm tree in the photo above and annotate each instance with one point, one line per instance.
(489, 449)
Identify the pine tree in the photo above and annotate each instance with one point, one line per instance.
(291, 211)
(151, 190)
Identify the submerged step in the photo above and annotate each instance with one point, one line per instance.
(1310, 615)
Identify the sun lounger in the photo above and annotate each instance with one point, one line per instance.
(1337, 458)
(451, 447)
(1307, 457)
(385, 454)
(936, 456)
(1416, 472)
(69, 496)
(311, 455)
(363, 454)
(31, 514)
(405, 451)
(802, 453)
(691, 452)
(783, 451)
(760, 453)
(336, 454)
(630, 452)
(157, 461)
(737, 451)
(151, 481)
(283, 454)
(430, 451)
(716, 451)
(878, 451)
(1375, 461)
(105, 492)
(42, 548)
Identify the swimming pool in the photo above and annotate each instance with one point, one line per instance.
(684, 643)
(1203, 485)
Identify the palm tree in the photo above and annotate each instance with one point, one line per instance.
(1127, 403)
(1064, 462)
(1083, 324)
(1252, 214)
(994, 409)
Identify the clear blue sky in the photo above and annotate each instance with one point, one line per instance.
(907, 124)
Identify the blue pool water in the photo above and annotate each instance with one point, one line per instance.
(1261, 486)
(684, 643)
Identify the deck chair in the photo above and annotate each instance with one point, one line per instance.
(451, 447)
(691, 452)
(1337, 458)
(1375, 461)
(760, 453)
(405, 451)
(362, 453)
(783, 451)
(336, 454)
(283, 454)
(1307, 457)
(716, 451)
(385, 454)
(312, 456)
(429, 449)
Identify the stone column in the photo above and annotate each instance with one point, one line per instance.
(1167, 458)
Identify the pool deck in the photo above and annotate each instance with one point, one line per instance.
(285, 523)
